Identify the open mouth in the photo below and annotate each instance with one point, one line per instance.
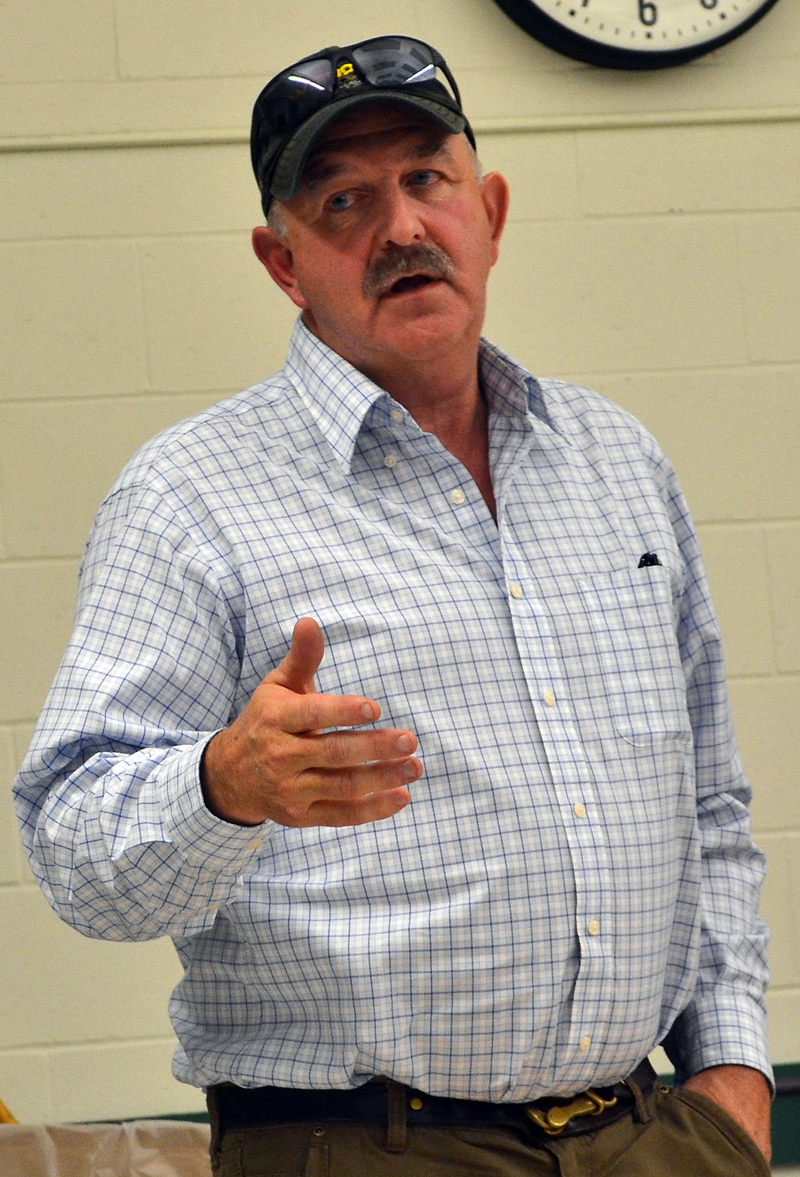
(406, 269)
(411, 282)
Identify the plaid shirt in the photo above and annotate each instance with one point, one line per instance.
(574, 875)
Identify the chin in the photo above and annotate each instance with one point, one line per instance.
(434, 333)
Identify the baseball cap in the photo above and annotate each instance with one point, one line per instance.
(295, 107)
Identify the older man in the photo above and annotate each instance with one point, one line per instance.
(462, 974)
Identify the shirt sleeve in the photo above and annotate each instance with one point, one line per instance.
(109, 797)
(725, 1022)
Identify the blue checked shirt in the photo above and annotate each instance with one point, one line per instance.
(574, 877)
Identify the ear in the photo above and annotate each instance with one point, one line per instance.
(276, 257)
(495, 195)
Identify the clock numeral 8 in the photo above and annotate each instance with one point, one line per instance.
(648, 13)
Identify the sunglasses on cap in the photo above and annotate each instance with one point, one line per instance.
(311, 91)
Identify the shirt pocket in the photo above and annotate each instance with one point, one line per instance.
(630, 651)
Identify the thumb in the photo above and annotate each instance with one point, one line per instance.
(298, 668)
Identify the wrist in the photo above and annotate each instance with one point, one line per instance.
(217, 770)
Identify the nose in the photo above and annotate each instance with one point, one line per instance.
(401, 223)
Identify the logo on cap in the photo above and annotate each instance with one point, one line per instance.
(346, 75)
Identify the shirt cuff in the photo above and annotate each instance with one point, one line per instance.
(201, 838)
(726, 1027)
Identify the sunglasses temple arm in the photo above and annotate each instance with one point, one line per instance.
(442, 64)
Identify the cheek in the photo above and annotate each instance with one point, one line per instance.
(469, 243)
(332, 276)
(473, 265)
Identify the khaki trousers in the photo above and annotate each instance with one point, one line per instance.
(673, 1133)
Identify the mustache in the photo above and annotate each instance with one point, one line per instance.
(384, 271)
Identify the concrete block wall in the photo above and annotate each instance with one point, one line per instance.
(653, 252)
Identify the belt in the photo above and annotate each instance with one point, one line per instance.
(547, 1118)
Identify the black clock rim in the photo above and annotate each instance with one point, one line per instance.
(575, 45)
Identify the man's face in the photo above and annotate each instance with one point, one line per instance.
(390, 240)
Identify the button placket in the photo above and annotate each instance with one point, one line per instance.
(539, 652)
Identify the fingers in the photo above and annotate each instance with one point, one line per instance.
(292, 755)
(329, 763)
(346, 749)
(359, 780)
(306, 652)
(352, 796)
(374, 807)
(307, 711)
(311, 713)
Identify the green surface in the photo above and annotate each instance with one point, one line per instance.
(192, 1117)
(786, 1121)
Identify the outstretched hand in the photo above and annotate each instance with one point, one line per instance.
(276, 761)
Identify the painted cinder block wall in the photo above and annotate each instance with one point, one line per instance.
(653, 252)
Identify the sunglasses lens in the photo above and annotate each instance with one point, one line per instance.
(295, 96)
(395, 61)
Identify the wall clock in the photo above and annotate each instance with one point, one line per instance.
(635, 34)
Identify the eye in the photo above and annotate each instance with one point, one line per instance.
(423, 178)
(341, 202)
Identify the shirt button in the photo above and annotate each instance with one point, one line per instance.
(390, 460)
(549, 698)
(457, 497)
(396, 416)
(579, 809)
(586, 1042)
(254, 845)
(594, 927)
(515, 591)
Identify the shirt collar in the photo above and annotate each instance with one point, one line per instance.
(335, 393)
(509, 388)
(339, 397)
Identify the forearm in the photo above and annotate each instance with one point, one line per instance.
(744, 1094)
(724, 1023)
(109, 796)
(125, 848)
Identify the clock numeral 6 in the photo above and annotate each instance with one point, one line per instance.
(648, 13)
(709, 3)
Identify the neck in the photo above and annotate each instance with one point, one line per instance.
(443, 395)
(447, 401)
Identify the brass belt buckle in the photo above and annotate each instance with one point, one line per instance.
(553, 1122)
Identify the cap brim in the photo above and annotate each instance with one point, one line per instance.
(285, 180)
